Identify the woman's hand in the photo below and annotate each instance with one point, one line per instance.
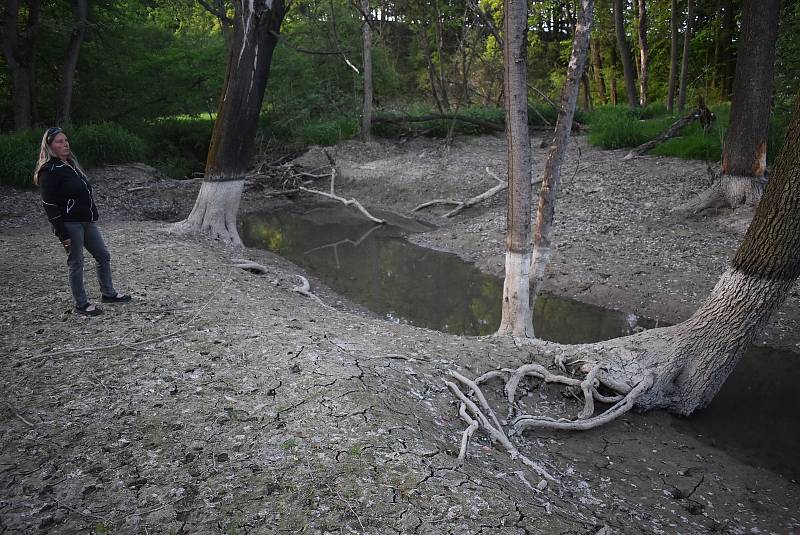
(66, 243)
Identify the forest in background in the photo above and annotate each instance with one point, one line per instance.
(148, 74)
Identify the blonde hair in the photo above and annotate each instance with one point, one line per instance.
(46, 154)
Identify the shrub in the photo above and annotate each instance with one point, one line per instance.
(94, 144)
(178, 146)
(615, 127)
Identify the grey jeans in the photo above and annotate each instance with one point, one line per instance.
(87, 235)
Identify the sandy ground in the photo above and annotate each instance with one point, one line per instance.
(220, 401)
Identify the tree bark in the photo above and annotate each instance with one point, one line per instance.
(625, 55)
(727, 61)
(516, 309)
(745, 150)
(68, 65)
(366, 112)
(19, 50)
(255, 35)
(687, 41)
(673, 56)
(551, 179)
(644, 53)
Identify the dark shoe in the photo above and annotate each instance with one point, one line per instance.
(89, 310)
(119, 298)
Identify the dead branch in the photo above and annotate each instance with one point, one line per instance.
(305, 289)
(702, 114)
(249, 265)
(463, 205)
(346, 202)
(400, 119)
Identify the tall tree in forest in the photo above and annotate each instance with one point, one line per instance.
(744, 153)
(681, 368)
(19, 35)
(366, 35)
(255, 34)
(644, 53)
(66, 71)
(597, 70)
(551, 179)
(625, 54)
(673, 56)
(687, 42)
(517, 318)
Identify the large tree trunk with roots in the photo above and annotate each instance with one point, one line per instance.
(744, 155)
(679, 368)
(625, 54)
(67, 69)
(256, 28)
(19, 49)
(516, 310)
(687, 42)
(551, 180)
(366, 35)
(673, 56)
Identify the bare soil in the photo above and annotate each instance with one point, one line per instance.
(220, 401)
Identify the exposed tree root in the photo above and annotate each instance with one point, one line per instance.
(305, 289)
(249, 265)
(730, 191)
(463, 205)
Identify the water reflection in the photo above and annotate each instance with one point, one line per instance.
(376, 267)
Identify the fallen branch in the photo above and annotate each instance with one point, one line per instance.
(249, 265)
(463, 205)
(400, 119)
(701, 114)
(305, 289)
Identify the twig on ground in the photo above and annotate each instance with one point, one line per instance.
(15, 413)
(463, 205)
(305, 289)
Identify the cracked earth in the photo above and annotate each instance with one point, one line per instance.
(221, 401)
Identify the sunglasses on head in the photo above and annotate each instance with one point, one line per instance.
(52, 133)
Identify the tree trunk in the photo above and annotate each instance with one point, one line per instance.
(67, 68)
(687, 41)
(19, 50)
(728, 64)
(516, 308)
(587, 92)
(745, 150)
(232, 140)
(644, 53)
(366, 113)
(704, 349)
(625, 54)
(597, 70)
(614, 70)
(673, 56)
(551, 179)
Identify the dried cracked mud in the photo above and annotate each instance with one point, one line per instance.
(222, 401)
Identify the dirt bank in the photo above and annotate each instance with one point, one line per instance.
(220, 401)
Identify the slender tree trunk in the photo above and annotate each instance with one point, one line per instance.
(687, 41)
(673, 56)
(614, 71)
(443, 93)
(728, 64)
(597, 70)
(551, 179)
(587, 92)
(516, 308)
(625, 55)
(67, 69)
(644, 53)
(19, 50)
(366, 113)
(254, 38)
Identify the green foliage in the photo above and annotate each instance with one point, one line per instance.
(615, 127)
(328, 132)
(94, 144)
(178, 145)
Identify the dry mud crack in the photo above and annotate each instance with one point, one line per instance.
(220, 401)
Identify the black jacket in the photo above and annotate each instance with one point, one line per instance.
(66, 196)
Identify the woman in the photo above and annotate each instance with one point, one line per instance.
(68, 202)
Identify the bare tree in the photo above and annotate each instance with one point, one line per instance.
(744, 155)
(366, 35)
(644, 53)
(66, 71)
(516, 309)
(20, 42)
(687, 41)
(673, 56)
(625, 54)
(255, 34)
(551, 179)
